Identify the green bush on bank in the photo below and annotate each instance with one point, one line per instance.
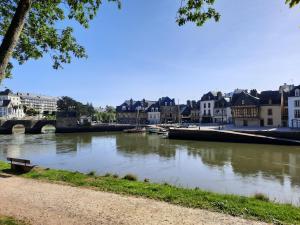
(246, 207)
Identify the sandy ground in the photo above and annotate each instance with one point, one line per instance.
(42, 203)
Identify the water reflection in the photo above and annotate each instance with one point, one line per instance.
(222, 167)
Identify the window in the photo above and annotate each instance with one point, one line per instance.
(243, 102)
(270, 101)
(297, 93)
(297, 103)
(270, 122)
(209, 112)
(270, 112)
(297, 113)
(208, 105)
(204, 105)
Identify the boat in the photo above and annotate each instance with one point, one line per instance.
(153, 130)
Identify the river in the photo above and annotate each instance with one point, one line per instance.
(243, 169)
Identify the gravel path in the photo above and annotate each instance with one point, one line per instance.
(42, 203)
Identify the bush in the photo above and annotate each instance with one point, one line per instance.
(146, 180)
(92, 173)
(130, 177)
(115, 176)
(261, 197)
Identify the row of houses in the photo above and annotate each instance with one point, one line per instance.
(279, 108)
(14, 105)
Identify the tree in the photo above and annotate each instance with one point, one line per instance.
(31, 112)
(29, 28)
(68, 104)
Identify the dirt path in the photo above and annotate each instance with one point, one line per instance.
(49, 204)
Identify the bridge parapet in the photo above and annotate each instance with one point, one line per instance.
(31, 126)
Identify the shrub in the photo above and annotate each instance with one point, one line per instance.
(130, 177)
(146, 180)
(115, 176)
(107, 175)
(261, 197)
(92, 173)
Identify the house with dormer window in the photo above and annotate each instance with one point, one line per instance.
(294, 108)
(207, 105)
(270, 109)
(245, 110)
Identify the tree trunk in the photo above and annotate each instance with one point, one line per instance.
(12, 35)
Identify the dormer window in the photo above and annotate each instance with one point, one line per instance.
(123, 107)
(270, 101)
(166, 103)
(297, 93)
(243, 102)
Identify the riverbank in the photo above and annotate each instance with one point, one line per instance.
(245, 207)
(4, 220)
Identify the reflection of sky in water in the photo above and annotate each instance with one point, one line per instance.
(222, 167)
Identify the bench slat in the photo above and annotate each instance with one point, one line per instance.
(18, 160)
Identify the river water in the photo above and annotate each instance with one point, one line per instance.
(243, 169)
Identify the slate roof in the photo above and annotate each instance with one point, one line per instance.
(185, 110)
(6, 92)
(223, 103)
(212, 95)
(132, 106)
(5, 103)
(270, 98)
(237, 99)
(292, 92)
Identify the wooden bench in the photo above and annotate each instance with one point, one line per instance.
(20, 165)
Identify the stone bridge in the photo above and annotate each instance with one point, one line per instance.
(31, 126)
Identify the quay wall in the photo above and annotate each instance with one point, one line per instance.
(223, 136)
(101, 128)
(294, 135)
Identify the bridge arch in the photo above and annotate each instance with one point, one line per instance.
(18, 129)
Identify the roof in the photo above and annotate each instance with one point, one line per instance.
(132, 106)
(185, 110)
(212, 95)
(223, 103)
(35, 96)
(270, 98)
(6, 92)
(5, 103)
(292, 92)
(244, 99)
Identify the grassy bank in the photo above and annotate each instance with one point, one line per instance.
(246, 207)
(10, 221)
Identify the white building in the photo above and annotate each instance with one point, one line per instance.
(294, 108)
(222, 111)
(153, 114)
(40, 103)
(207, 105)
(10, 105)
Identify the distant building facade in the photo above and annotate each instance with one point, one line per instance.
(40, 103)
(222, 111)
(270, 109)
(294, 107)
(245, 110)
(154, 113)
(195, 112)
(169, 111)
(207, 105)
(133, 112)
(10, 105)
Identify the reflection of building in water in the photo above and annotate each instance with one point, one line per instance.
(73, 142)
(13, 146)
(141, 144)
(273, 162)
(211, 154)
(294, 169)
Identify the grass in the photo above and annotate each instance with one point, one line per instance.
(10, 221)
(246, 207)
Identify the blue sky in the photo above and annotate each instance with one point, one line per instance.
(140, 52)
